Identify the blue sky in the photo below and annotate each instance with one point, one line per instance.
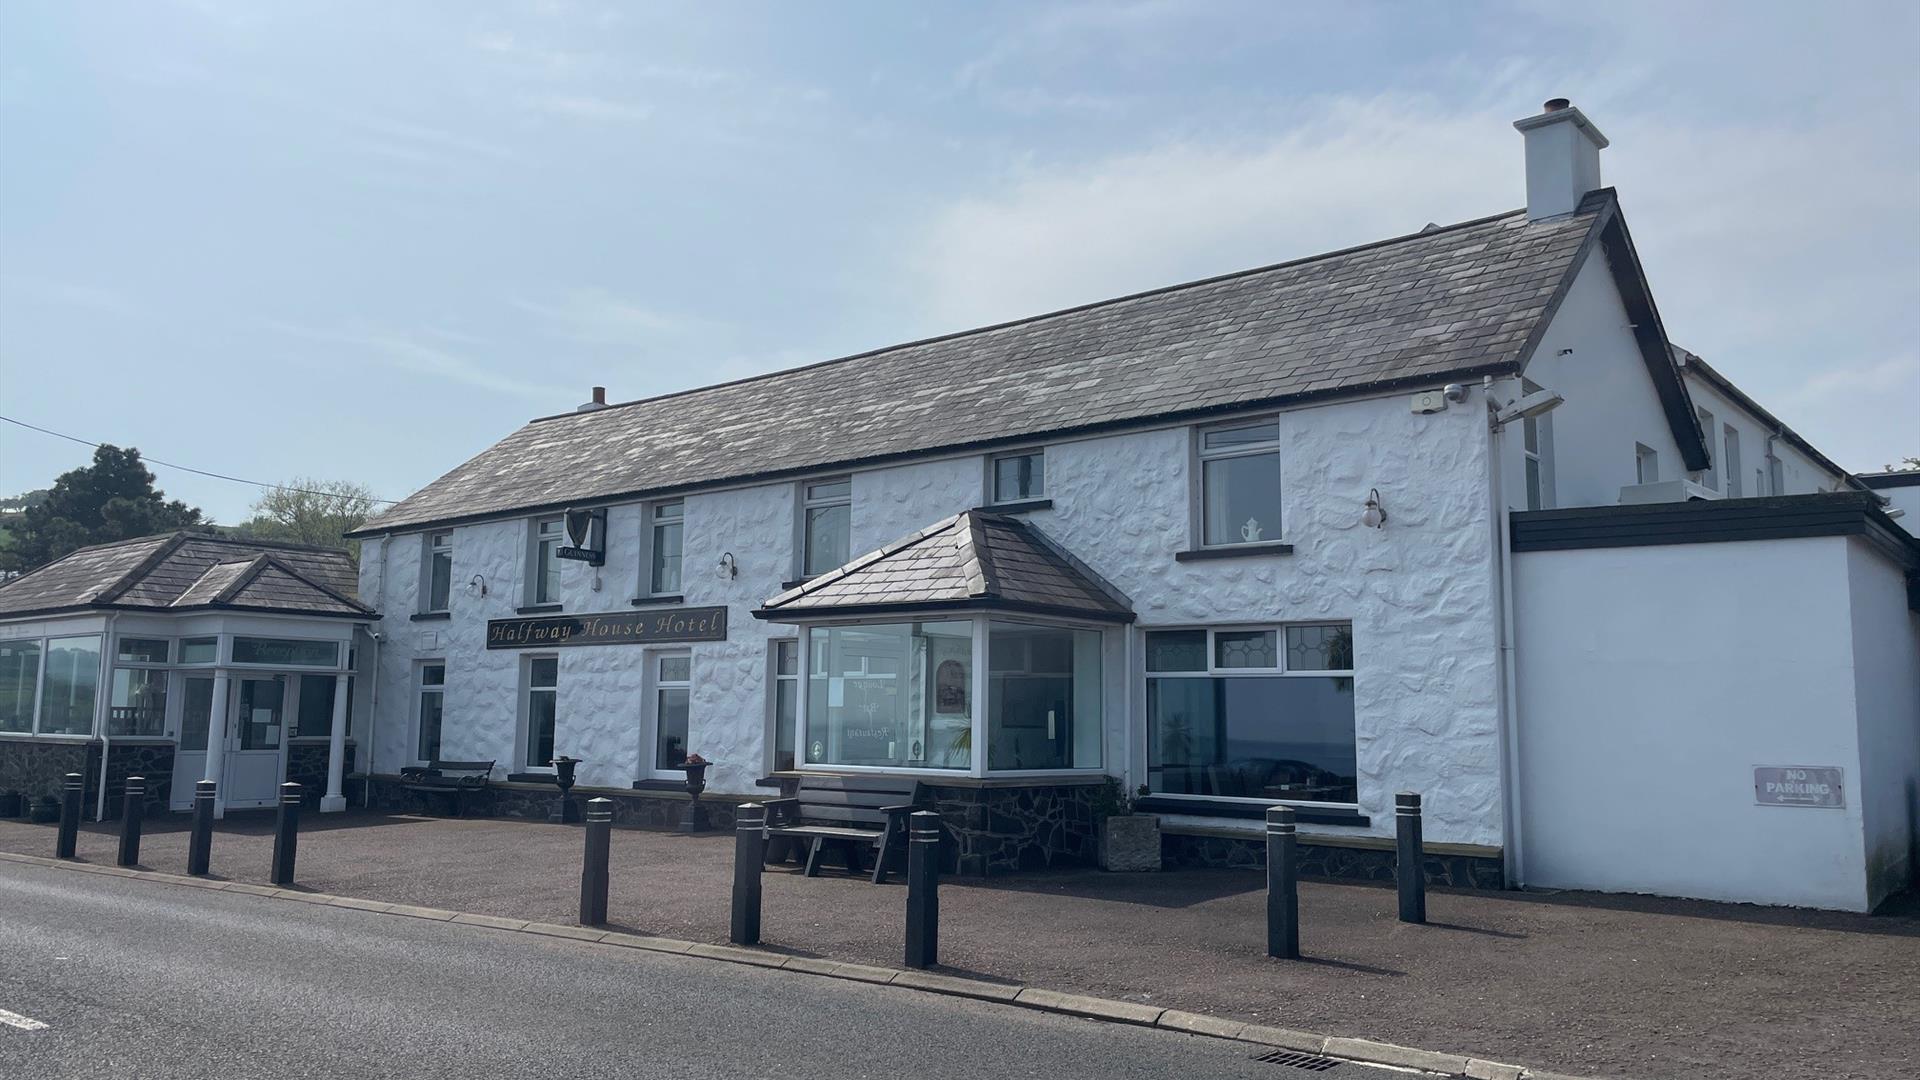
(364, 241)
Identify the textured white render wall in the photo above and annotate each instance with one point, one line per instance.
(1419, 592)
(1886, 659)
(1611, 403)
(1652, 680)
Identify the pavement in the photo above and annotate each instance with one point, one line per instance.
(115, 977)
(1577, 983)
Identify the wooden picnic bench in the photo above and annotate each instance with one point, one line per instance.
(451, 780)
(850, 813)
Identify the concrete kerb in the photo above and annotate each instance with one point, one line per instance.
(1365, 1051)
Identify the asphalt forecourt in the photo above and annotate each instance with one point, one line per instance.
(1582, 985)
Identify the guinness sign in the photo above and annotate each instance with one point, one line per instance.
(587, 533)
(636, 628)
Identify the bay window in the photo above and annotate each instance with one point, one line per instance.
(1240, 483)
(1253, 713)
(891, 694)
(1043, 697)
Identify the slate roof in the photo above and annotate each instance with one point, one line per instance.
(1437, 305)
(970, 560)
(186, 571)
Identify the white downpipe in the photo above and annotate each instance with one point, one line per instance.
(1512, 830)
(103, 713)
(371, 738)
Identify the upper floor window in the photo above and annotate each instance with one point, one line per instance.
(1018, 477)
(1710, 476)
(1646, 464)
(1732, 441)
(1536, 447)
(665, 524)
(439, 571)
(826, 521)
(543, 570)
(1240, 483)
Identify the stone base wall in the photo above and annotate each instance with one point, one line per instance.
(1330, 860)
(37, 767)
(658, 810)
(994, 830)
(307, 766)
(152, 762)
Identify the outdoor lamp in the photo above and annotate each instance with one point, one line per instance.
(1374, 516)
(729, 569)
(477, 586)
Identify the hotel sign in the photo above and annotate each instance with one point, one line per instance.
(638, 628)
(1799, 785)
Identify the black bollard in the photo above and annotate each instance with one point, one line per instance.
(923, 890)
(1410, 858)
(1283, 885)
(749, 851)
(131, 818)
(70, 795)
(200, 845)
(593, 869)
(286, 834)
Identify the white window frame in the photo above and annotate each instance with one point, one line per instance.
(1730, 445)
(805, 501)
(649, 523)
(774, 679)
(537, 538)
(1539, 431)
(1200, 455)
(993, 461)
(420, 690)
(650, 729)
(1646, 464)
(1214, 670)
(115, 663)
(102, 687)
(433, 545)
(39, 687)
(524, 727)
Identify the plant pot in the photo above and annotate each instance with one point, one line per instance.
(1130, 843)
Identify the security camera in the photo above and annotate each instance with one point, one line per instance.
(1454, 392)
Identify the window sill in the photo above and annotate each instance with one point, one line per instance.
(536, 609)
(1021, 507)
(1234, 551)
(431, 616)
(656, 601)
(1251, 808)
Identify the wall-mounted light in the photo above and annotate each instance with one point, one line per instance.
(477, 586)
(1374, 515)
(729, 569)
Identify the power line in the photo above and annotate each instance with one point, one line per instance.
(182, 468)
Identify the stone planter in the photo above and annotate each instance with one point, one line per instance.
(1130, 843)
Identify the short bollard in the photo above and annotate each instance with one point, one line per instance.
(749, 852)
(923, 890)
(1283, 885)
(286, 834)
(200, 844)
(593, 869)
(70, 794)
(1410, 858)
(131, 818)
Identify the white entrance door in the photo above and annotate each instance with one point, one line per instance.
(255, 722)
(190, 759)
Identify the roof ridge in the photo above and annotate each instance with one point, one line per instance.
(1054, 314)
(241, 580)
(975, 560)
(312, 584)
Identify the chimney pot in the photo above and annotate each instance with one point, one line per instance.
(599, 395)
(1555, 104)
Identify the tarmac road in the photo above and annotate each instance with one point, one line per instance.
(135, 979)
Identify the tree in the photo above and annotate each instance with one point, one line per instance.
(309, 511)
(111, 499)
(1907, 464)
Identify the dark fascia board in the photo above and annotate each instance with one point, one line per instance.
(976, 603)
(1773, 517)
(1880, 481)
(1725, 385)
(1178, 416)
(1630, 279)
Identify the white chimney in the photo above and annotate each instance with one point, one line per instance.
(1563, 158)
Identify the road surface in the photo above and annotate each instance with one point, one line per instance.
(107, 977)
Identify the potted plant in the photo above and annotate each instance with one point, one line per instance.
(695, 819)
(566, 812)
(1129, 842)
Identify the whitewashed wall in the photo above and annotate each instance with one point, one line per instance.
(1800, 474)
(1886, 675)
(1652, 680)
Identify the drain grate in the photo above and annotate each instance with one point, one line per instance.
(1299, 1060)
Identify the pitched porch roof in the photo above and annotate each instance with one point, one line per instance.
(185, 571)
(970, 561)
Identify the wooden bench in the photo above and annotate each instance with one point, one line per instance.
(851, 813)
(452, 780)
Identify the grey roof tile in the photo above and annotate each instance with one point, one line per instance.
(191, 570)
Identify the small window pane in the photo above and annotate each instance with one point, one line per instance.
(785, 712)
(541, 718)
(1327, 647)
(669, 511)
(139, 705)
(1247, 435)
(1246, 649)
(670, 750)
(286, 652)
(1177, 650)
(829, 489)
(439, 580)
(827, 538)
(675, 668)
(1242, 499)
(787, 657)
(666, 559)
(551, 528)
(199, 650)
(67, 691)
(432, 707)
(19, 678)
(143, 650)
(1534, 498)
(433, 675)
(315, 714)
(196, 712)
(544, 671)
(1019, 476)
